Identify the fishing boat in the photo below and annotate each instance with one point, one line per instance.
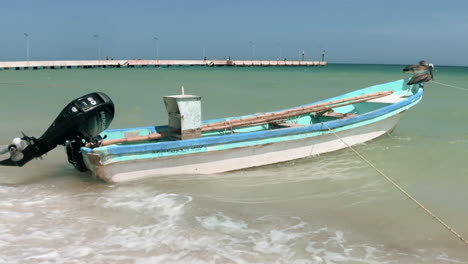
(190, 145)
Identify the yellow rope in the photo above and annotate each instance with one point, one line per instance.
(448, 85)
(400, 188)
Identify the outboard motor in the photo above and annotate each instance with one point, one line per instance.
(80, 122)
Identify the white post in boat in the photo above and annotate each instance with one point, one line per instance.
(184, 113)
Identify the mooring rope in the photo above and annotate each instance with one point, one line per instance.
(448, 85)
(400, 188)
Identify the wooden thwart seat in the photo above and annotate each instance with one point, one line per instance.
(331, 113)
(338, 115)
(389, 99)
(284, 125)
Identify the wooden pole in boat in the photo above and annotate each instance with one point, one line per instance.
(293, 112)
(270, 118)
(152, 136)
(259, 119)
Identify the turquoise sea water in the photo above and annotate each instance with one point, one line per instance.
(332, 208)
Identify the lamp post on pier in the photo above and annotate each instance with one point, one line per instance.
(280, 50)
(252, 47)
(98, 42)
(27, 45)
(156, 47)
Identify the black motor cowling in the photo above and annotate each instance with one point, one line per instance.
(80, 122)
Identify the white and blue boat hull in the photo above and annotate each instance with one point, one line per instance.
(221, 153)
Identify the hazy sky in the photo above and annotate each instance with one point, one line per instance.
(352, 31)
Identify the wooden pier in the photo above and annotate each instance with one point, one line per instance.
(35, 65)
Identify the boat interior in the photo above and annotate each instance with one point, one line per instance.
(391, 93)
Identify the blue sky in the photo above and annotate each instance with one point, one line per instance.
(352, 31)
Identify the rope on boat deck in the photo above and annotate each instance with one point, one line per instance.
(228, 124)
(448, 85)
(400, 188)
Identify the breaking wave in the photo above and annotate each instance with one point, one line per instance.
(129, 224)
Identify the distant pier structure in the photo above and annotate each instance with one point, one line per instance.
(35, 65)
